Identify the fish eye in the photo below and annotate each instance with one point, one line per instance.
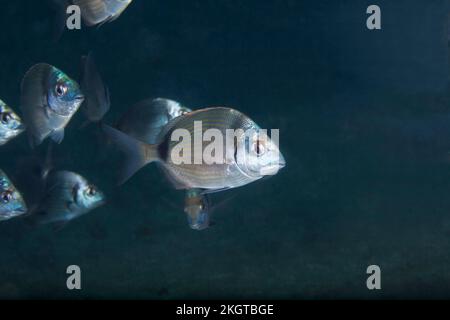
(5, 118)
(91, 191)
(6, 196)
(61, 89)
(259, 147)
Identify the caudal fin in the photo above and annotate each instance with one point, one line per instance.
(137, 153)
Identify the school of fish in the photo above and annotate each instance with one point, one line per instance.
(50, 98)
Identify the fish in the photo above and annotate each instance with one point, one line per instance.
(99, 12)
(67, 196)
(248, 159)
(97, 101)
(146, 119)
(93, 12)
(11, 201)
(11, 124)
(49, 99)
(197, 207)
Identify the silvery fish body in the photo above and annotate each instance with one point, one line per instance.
(49, 99)
(11, 202)
(97, 101)
(10, 124)
(96, 12)
(67, 196)
(248, 160)
(145, 120)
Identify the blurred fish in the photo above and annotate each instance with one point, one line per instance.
(97, 102)
(93, 12)
(197, 207)
(11, 202)
(250, 159)
(98, 12)
(67, 196)
(145, 120)
(49, 99)
(10, 124)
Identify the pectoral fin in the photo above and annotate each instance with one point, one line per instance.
(57, 136)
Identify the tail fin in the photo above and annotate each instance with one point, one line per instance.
(137, 153)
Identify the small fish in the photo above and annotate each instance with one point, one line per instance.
(145, 120)
(197, 207)
(251, 158)
(97, 102)
(49, 99)
(67, 196)
(10, 124)
(11, 202)
(98, 12)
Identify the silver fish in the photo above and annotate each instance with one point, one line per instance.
(10, 124)
(197, 207)
(145, 120)
(11, 202)
(250, 159)
(67, 196)
(96, 12)
(49, 99)
(97, 101)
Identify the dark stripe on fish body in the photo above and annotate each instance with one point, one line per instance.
(163, 150)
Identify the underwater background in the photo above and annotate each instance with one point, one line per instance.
(364, 119)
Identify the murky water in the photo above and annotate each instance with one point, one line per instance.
(365, 129)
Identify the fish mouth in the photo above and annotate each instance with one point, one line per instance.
(273, 169)
(79, 97)
(12, 214)
(20, 211)
(20, 127)
(281, 162)
(102, 202)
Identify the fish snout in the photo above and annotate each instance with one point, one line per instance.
(273, 168)
(79, 97)
(21, 126)
(281, 162)
(21, 210)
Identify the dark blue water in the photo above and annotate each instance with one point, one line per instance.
(365, 129)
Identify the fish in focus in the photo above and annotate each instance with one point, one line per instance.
(197, 207)
(10, 124)
(97, 101)
(49, 99)
(250, 159)
(67, 196)
(145, 120)
(97, 12)
(11, 202)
